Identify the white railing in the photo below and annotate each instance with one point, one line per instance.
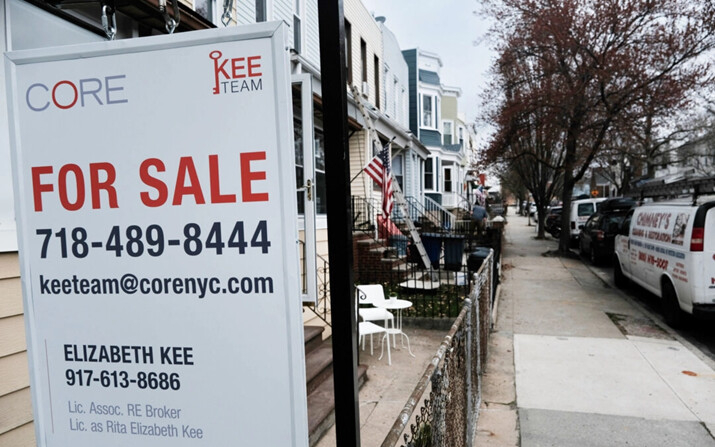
(443, 215)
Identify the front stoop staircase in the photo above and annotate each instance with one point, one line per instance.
(319, 382)
(375, 262)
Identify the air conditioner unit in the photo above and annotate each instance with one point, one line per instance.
(365, 89)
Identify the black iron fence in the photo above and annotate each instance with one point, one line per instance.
(437, 293)
(452, 381)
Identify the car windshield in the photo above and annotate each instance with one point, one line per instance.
(585, 209)
(612, 219)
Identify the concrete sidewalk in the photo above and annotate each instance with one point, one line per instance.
(574, 363)
(389, 386)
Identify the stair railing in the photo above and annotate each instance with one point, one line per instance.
(321, 308)
(439, 213)
(363, 214)
(416, 208)
(464, 203)
(420, 213)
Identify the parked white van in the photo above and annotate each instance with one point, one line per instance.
(669, 249)
(581, 210)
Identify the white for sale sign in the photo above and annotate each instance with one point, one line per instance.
(155, 194)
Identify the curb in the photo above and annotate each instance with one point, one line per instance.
(495, 307)
(654, 318)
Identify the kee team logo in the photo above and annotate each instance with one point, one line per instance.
(236, 75)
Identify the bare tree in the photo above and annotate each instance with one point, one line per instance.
(597, 62)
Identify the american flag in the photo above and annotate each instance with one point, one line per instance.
(380, 169)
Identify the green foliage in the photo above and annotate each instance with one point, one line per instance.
(446, 302)
(423, 437)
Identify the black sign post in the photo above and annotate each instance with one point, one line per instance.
(340, 246)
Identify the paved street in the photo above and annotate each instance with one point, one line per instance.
(576, 362)
(698, 332)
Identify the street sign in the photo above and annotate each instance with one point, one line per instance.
(155, 195)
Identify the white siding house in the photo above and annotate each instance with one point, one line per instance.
(408, 159)
(434, 118)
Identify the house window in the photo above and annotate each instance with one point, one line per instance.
(321, 190)
(461, 136)
(437, 114)
(261, 14)
(398, 169)
(422, 175)
(402, 103)
(447, 187)
(349, 51)
(320, 185)
(297, 28)
(298, 147)
(377, 81)
(429, 174)
(363, 59)
(446, 132)
(396, 99)
(205, 8)
(429, 111)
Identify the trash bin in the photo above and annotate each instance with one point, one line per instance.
(476, 258)
(399, 242)
(453, 251)
(413, 255)
(433, 246)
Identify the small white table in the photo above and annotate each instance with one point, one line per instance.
(398, 305)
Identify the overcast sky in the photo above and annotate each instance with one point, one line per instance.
(452, 30)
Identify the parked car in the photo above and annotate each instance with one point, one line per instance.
(580, 211)
(496, 209)
(598, 234)
(552, 223)
(668, 248)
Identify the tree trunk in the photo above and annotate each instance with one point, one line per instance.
(541, 217)
(565, 239)
(569, 183)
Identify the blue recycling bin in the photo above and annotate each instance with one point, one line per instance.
(433, 246)
(399, 242)
(453, 251)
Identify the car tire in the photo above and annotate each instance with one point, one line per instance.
(618, 277)
(673, 314)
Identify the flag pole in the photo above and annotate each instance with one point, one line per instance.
(356, 176)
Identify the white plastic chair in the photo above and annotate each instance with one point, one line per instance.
(371, 294)
(370, 328)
